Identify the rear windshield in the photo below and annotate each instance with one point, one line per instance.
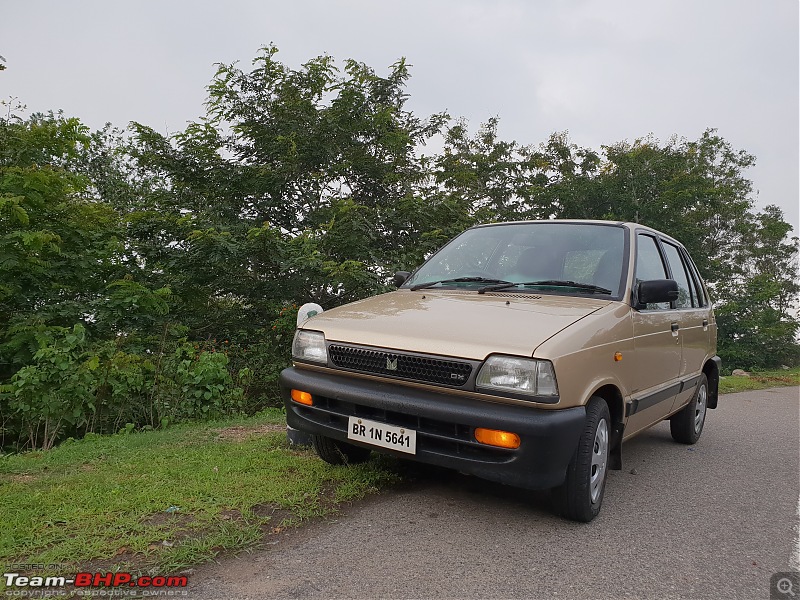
(531, 252)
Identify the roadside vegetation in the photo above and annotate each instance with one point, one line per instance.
(165, 500)
(759, 380)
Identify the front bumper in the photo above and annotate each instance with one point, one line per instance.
(445, 425)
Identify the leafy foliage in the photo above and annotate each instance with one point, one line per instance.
(72, 387)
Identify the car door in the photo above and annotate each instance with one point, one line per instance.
(657, 345)
(691, 314)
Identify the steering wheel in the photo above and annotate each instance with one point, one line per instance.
(479, 273)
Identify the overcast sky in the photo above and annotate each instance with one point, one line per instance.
(604, 70)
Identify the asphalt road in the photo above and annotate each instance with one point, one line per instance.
(714, 520)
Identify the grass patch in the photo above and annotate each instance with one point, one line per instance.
(163, 500)
(759, 380)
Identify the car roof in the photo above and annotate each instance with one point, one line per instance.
(628, 224)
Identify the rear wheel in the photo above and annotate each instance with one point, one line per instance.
(687, 425)
(338, 453)
(580, 496)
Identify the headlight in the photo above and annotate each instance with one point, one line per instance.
(309, 345)
(521, 375)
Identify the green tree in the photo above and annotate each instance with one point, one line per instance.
(58, 247)
(758, 325)
(298, 184)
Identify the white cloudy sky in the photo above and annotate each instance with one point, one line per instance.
(605, 70)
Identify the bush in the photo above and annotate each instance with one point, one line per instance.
(73, 387)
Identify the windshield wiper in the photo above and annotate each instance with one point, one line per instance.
(460, 280)
(548, 282)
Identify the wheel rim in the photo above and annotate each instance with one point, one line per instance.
(700, 408)
(599, 459)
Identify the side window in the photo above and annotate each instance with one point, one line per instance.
(649, 265)
(686, 297)
(702, 300)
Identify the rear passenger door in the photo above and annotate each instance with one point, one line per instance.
(691, 314)
(657, 345)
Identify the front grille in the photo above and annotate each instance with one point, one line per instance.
(405, 366)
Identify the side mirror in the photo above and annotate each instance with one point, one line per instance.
(400, 278)
(656, 291)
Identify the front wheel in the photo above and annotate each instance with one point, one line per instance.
(580, 496)
(335, 452)
(687, 425)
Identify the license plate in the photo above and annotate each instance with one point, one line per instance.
(400, 439)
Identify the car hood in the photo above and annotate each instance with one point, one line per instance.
(453, 323)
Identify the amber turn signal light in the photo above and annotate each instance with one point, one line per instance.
(302, 397)
(495, 437)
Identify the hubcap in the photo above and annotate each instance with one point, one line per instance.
(700, 408)
(599, 459)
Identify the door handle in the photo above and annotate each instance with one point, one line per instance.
(705, 322)
(674, 327)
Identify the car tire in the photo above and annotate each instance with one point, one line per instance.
(687, 424)
(580, 496)
(335, 452)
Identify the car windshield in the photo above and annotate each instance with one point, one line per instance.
(521, 255)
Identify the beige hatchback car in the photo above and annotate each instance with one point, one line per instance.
(523, 353)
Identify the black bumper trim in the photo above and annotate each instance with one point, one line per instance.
(646, 402)
(445, 424)
(315, 410)
(690, 383)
